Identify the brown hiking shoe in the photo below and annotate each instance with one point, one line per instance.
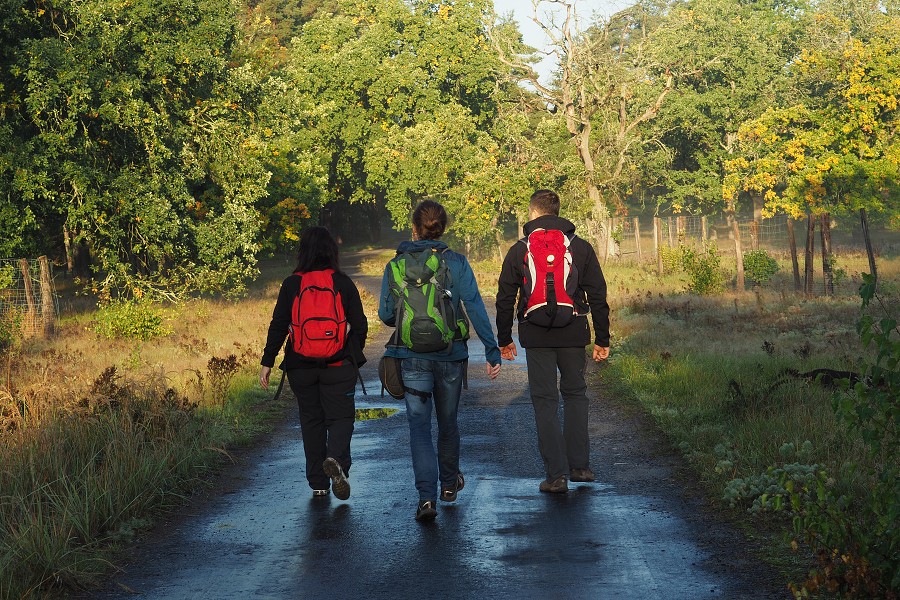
(448, 494)
(582, 475)
(560, 485)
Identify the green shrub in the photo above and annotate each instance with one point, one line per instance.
(130, 319)
(704, 269)
(672, 259)
(759, 267)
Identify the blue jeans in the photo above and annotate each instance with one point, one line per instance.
(442, 381)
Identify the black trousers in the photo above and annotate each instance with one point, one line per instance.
(327, 412)
(567, 447)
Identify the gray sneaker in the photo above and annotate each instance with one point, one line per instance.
(339, 484)
(560, 485)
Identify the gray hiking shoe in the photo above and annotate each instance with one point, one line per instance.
(339, 484)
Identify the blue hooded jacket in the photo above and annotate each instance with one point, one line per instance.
(463, 287)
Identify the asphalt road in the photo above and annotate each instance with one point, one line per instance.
(642, 531)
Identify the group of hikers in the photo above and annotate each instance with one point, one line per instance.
(551, 281)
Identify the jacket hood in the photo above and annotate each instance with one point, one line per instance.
(419, 245)
(549, 222)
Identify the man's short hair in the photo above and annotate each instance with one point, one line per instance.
(545, 202)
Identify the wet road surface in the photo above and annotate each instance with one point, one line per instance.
(501, 539)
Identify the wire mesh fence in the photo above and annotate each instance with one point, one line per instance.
(639, 237)
(28, 295)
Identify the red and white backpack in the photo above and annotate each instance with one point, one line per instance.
(551, 279)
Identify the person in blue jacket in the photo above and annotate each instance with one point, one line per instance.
(437, 376)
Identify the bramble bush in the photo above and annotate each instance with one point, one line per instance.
(759, 267)
(131, 319)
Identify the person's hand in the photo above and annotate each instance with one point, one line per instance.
(493, 370)
(601, 353)
(509, 352)
(264, 377)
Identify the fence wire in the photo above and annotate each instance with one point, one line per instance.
(26, 293)
(771, 235)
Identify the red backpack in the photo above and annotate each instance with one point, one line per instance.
(318, 325)
(551, 279)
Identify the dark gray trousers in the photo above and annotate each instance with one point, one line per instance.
(567, 447)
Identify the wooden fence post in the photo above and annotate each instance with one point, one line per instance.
(637, 238)
(671, 233)
(703, 227)
(48, 308)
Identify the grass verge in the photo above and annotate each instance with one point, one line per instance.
(722, 377)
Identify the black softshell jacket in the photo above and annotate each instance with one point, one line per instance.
(591, 295)
(281, 322)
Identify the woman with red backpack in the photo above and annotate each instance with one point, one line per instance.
(320, 314)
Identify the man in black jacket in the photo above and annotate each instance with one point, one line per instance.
(565, 450)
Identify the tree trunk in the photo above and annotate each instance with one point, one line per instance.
(671, 232)
(739, 254)
(865, 229)
(810, 251)
(70, 255)
(703, 229)
(827, 275)
(792, 239)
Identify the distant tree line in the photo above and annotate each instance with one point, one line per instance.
(175, 141)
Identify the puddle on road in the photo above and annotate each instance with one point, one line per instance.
(367, 414)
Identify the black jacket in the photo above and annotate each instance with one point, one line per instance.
(281, 323)
(591, 295)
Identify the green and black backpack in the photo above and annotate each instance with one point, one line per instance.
(426, 320)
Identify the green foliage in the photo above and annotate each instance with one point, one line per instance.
(704, 268)
(856, 535)
(130, 319)
(131, 127)
(10, 325)
(833, 147)
(759, 267)
(7, 276)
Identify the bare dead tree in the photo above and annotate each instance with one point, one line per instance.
(604, 78)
